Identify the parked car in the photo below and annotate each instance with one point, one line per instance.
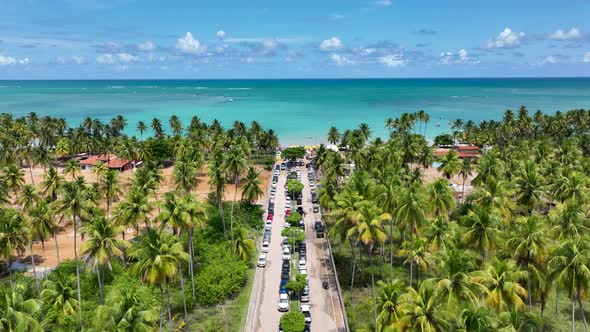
(283, 166)
(316, 208)
(268, 228)
(304, 296)
(265, 246)
(303, 272)
(261, 260)
(300, 210)
(285, 274)
(302, 264)
(286, 254)
(319, 229)
(284, 302)
(305, 310)
(299, 201)
(286, 265)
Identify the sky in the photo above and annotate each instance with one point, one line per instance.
(202, 39)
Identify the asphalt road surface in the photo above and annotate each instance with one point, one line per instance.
(263, 314)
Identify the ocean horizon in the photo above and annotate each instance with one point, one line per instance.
(299, 110)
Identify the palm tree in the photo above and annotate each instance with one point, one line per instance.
(441, 198)
(502, 280)
(251, 190)
(127, 309)
(142, 128)
(19, 314)
(388, 303)
(197, 214)
(450, 165)
(52, 184)
(333, 135)
(43, 224)
(110, 187)
(529, 244)
(234, 165)
(135, 209)
(74, 203)
(13, 178)
(217, 178)
(101, 246)
(465, 172)
(72, 168)
(482, 230)
(158, 256)
(476, 318)
(529, 187)
(388, 199)
(520, 320)
(571, 265)
(175, 125)
(369, 231)
(243, 247)
(29, 196)
(59, 296)
(420, 311)
(411, 211)
(185, 175)
(157, 128)
(14, 235)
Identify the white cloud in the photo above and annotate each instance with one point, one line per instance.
(147, 46)
(368, 51)
(341, 60)
(574, 33)
(506, 39)
(220, 34)
(8, 61)
(74, 60)
(549, 60)
(383, 2)
(126, 57)
(269, 44)
(189, 45)
(332, 44)
(451, 58)
(105, 59)
(393, 60)
(586, 57)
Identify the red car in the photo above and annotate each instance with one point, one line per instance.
(287, 212)
(269, 217)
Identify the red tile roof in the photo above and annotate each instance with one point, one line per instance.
(441, 152)
(111, 160)
(467, 147)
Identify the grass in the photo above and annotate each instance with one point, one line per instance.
(359, 305)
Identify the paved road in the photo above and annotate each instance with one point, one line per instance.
(325, 310)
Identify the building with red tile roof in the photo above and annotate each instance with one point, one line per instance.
(111, 161)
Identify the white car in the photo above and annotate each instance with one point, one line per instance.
(284, 302)
(286, 254)
(303, 272)
(305, 294)
(268, 228)
(265, 246)
(261, 260)
(268, 223)
(305, 310)
(311, 184)
(302, 264)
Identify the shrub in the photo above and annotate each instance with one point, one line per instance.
(293, 219)
(219, 279)
(293, 321)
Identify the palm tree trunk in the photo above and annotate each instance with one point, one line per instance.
(44, 259)
(34, 269)
(231, 216)
(353, 265)
(573, 314)
(31, 172)
(161, 307)
(191, 262)
(169, 312)
(411, 254)
(183, 294)
(463, 191)
(382, 259)
(56, 246)
(99, 285)
(373, 289)
(10, 273)
(361, 265)
(582, 312)
(391, 251)
(528, 282)
(220, 206)
(77, 270)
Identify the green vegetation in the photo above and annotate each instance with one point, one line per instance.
(294, 187)
(293, 219)
(294, 235)
(293, 321)
(512, 255)
(190, 263)
(292, 153)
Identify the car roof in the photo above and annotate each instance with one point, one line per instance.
(305, 307)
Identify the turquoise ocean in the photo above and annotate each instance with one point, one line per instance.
(300, 111)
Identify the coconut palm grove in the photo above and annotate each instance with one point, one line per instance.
(485, 228)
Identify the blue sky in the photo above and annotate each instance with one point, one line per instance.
(86, 39)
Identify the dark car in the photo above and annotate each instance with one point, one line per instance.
(271, 211)
(314, 193)
(300, 209)
(316, 208)
(319, 229)
(283, 288)
(299, 201)
(286, 265)
(278, 167)
(315, 200)
(275, 179)
(285, 274)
